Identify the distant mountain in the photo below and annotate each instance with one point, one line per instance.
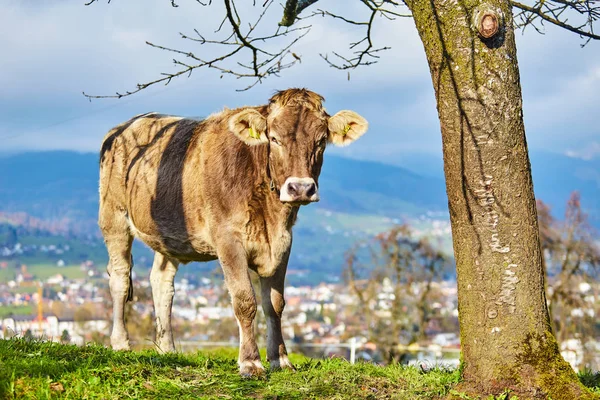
(358, 198)
(63, 184)
(555, 176)
(368, 187)
(54, 185)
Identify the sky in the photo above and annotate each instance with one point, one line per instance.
(53, 50)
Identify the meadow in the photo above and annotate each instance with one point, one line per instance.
(31, 369)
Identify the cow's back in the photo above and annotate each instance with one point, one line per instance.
(141, 167)
(121, 146)
(178, 179)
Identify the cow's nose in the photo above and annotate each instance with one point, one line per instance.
(311, 189)
(299, 190)
(294, 188)
(302, 189)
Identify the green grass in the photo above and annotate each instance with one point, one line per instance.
(45, 271)
(17, 310)
(7, 274)
(34, 370)
(24, 289)
(45, 370)
(591, 379)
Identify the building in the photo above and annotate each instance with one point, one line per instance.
(52, 328)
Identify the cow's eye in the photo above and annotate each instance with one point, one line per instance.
(321, 142)
(274, 140)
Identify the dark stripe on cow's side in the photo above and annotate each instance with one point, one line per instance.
(167, 207)
(109, 141)
(143, 148)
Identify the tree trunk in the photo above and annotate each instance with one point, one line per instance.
(505, 329)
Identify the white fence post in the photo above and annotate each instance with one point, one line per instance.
(352, 350)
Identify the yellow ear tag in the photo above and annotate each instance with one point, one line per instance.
(253, 134)
(346, 129)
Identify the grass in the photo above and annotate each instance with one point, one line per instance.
(16, 310)
(7, 274)
(45, 370)
(44, 271)
(37, 370)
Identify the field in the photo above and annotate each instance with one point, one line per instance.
(49, 370)
(43, 271)
(20, 310)
(37, 370)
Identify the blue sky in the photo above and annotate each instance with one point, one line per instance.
(53, 50)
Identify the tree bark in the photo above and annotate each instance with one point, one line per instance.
(505, 329)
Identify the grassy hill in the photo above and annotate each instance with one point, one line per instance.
(34, 370)
(37, 370)
(358, 198)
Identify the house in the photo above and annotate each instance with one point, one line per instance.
(52, 328)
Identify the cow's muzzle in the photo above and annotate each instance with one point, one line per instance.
(299, 190)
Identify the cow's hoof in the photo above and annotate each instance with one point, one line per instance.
(249, 368)
(282, 363)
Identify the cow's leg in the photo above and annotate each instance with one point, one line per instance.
(235, 269)
(118, 239)
(162, 279)
(273, 304)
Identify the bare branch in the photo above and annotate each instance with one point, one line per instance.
(557, 12)
(93, 1)
(324, 13)
(245, 52)
(292, 9)
(289, 13)
(366, 55)
(236, 29)
(197, 1)
(263, 62)
(173, 4)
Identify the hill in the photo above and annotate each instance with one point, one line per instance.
(38, 370)
(54, 186)
(358, 198)
(34, 370)
(64, 184)
(555, 176)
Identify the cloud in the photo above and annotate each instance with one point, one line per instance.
(561, 89)
(53, 50)
(587, 153)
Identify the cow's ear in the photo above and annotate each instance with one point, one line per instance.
(345, 127)
(249, 126)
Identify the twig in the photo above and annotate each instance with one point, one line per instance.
(556, 13)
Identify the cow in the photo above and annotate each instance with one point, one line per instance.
(228, 187)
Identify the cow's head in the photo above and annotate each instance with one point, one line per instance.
(296, 128)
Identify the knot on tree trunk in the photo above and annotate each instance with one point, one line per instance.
(488, 26)
(487, 21)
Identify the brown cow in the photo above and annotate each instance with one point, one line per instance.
(227, 187)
